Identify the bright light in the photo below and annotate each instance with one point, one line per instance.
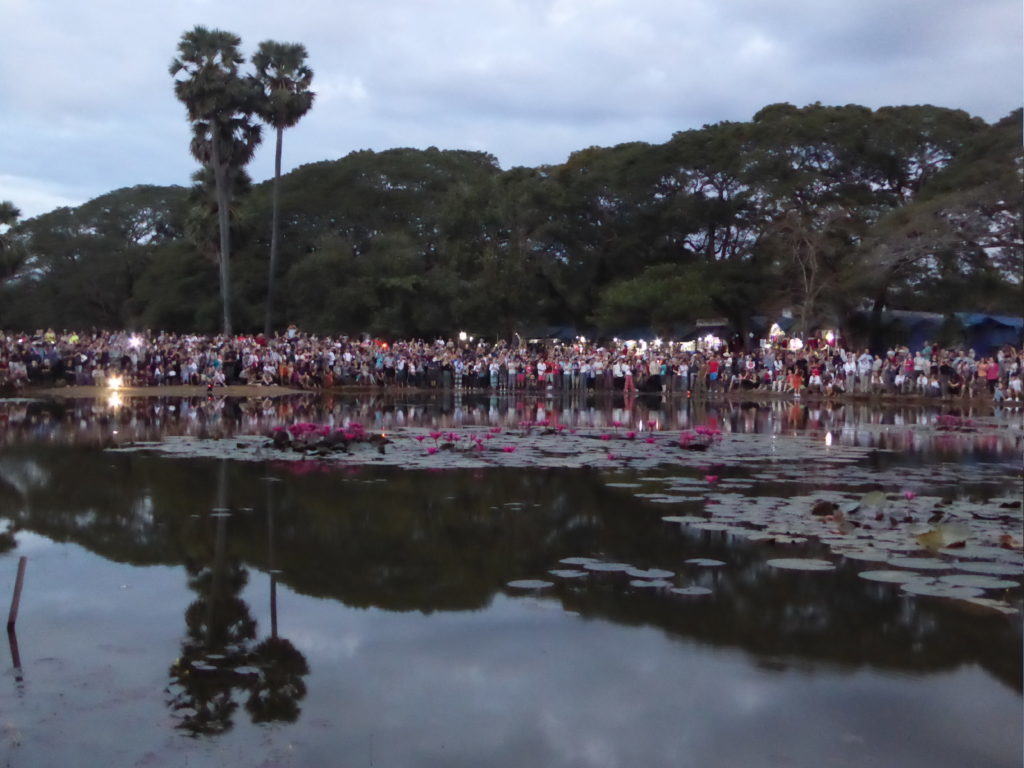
(115, 382)
(774, 332)
(712, 341)
(657, 342)
(830, 337)
(828, 438)
(583, 339)
(463, 335)
(134, 342)
(795, 345)
(114, 400)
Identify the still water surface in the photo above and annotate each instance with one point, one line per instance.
(363, 617)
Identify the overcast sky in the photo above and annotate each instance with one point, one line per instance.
(86, 104)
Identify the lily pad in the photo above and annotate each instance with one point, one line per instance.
(691, 591)
(650, 573)
(530, 584)
(578, 560)
(928, 589)
(650, 584)
(991, 569)
(567, 573)
(705, 562)
(892, 577)
(684, 519)
(981, 582)
(607, 567)
(869, 555)
(920, 563)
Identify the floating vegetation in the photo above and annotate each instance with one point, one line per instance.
(981, 582)
(992, 569)
(530, 584)
(800, 564)
(704, 562)
(650, 573)
(650, 584)
(567, 573)
(684, 519)
(892, 577)
(920, 563)
(937, 589)
(942, 516)
(608, 567)
(690, 591)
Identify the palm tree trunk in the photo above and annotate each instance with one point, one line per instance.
(220, 181)
(268, 323)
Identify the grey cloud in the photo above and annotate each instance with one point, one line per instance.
(86, 102)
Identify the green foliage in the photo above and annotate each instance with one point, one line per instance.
(820, 209)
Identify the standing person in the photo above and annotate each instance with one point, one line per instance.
(628, 384)
(864, 366)
(992, 375)
(713, 371)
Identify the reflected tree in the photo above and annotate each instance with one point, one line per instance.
(220, 660)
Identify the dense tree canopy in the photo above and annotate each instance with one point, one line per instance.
(821, 209)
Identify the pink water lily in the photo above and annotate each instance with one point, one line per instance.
(431, 450)
(711, 478)
(509, 448)
(908, 495)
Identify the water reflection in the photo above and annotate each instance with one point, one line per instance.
(426, 542)
(220, 660)
(908, 429)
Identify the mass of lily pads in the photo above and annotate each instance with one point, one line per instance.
(799, 490)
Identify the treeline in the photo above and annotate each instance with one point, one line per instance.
(825, 210)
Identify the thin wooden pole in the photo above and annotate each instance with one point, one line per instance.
(12, 617)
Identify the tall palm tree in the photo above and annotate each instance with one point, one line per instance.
(282, 72)
(220, 102)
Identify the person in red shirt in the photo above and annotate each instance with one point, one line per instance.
(713, 367)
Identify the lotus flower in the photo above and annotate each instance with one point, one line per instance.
(649, 440)
(908, 495)
(606, 437)
(711, 478)
(431, 450)
(630, 435)
(509, 448)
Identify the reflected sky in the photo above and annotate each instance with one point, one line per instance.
(362, 617)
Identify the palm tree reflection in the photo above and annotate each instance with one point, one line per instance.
(220, 661)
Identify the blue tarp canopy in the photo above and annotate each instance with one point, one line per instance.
(987, 332)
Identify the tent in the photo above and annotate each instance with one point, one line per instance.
(986, 333)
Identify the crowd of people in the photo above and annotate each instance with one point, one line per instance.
(303, 361)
